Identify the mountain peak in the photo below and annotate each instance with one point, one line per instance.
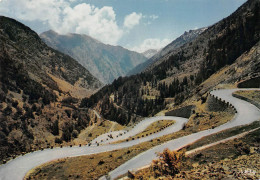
(150, 53)
(50, 32)
(106, 62)
(177, 43)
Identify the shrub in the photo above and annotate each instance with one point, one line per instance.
(55, 128)
(66, 135)
(68, 112)
(58, 140)
(7, 111)
(242, 148)
(14, 104)
(101, 162)
(75, 133)
(70, 100)
(169, 163)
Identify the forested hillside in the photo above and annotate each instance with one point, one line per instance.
(178, 75)
(174, 45)
(39, 88)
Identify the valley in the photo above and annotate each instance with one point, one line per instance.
(73, 107)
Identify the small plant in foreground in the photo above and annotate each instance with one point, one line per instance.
(169, 163)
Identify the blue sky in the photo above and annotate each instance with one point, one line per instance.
(135, 24)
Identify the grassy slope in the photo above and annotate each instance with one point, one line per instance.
(93, 131)
(152, 128)
(252, 95)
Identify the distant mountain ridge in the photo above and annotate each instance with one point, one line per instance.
(150, 53)
(178, 42)
(104, 61)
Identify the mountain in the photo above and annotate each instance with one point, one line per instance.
(46, 66)
(39, 87)
(224, 53)
(150, 53)
(180, 41)
(105, 62)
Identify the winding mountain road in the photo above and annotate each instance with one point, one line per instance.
(140, 127)
(246, 113)
(17, 168)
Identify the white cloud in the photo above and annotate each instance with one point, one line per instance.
(44, 10)
(151, 44)
(132, 20)
(99, 23)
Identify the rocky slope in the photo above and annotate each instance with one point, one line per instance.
(243, 167)
(177, 43)
(104, 61)
(37, 90)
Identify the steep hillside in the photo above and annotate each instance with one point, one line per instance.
(105, 62)
(177, 43)
(36, 89)
(26, 49)
(175, 79)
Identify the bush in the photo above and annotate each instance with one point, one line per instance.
(101, 162)
(7, 111)
(75, 133)
(58, 140)
(70, 100)
(55, 128)
(14, 104)
(68, 112)
(169, 163)
(66, 134)
(242, 148)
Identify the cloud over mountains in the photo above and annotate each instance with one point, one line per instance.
(63, 17)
